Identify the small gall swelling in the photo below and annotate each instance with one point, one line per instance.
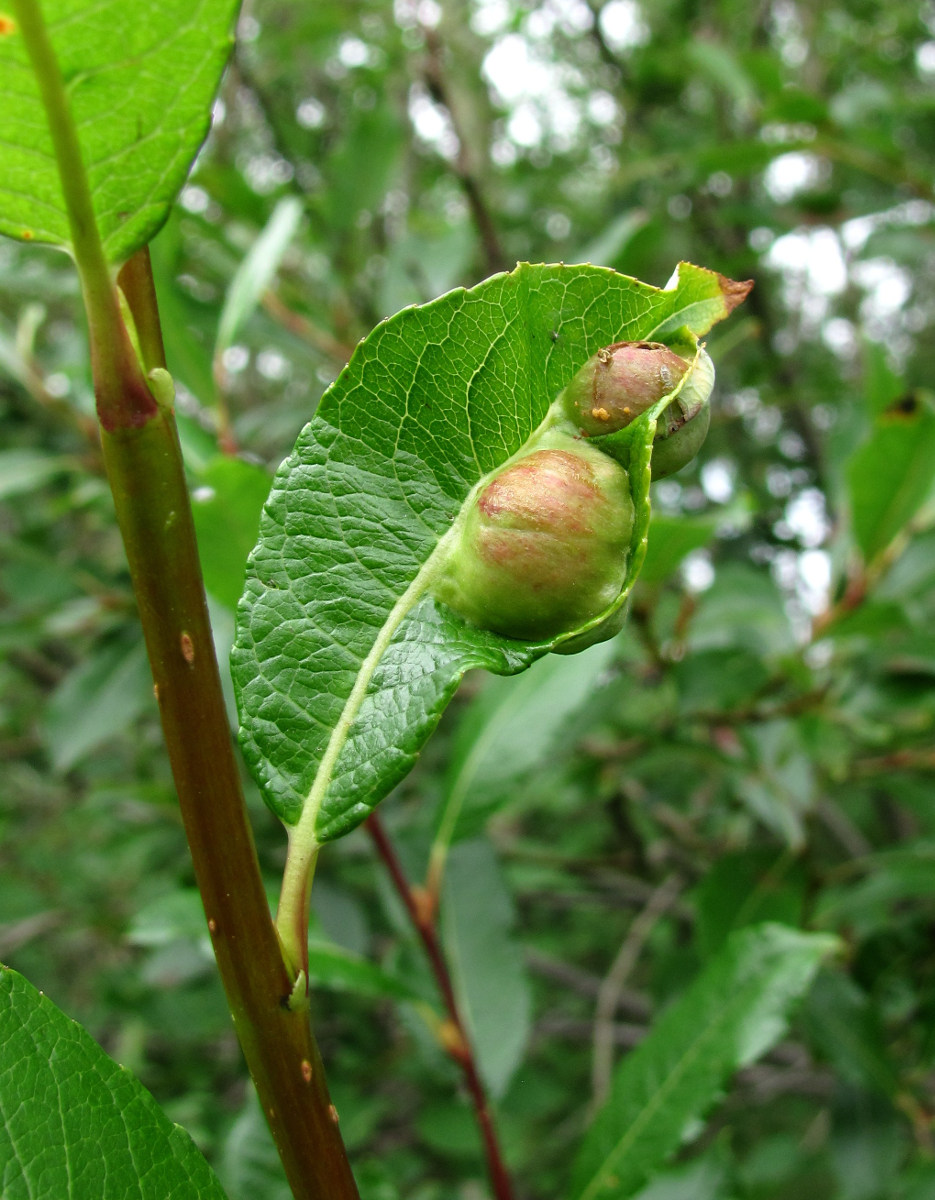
(619, 383)
(622, 381)
(544, 544)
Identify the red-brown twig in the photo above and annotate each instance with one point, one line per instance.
(454, 1036)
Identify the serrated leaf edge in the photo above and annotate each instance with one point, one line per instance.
(303, 842)
(818, 946)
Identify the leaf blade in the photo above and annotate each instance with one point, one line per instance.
(890, 475)
(486, 966)
(732, 1013)
(140, 81)
(432, 401)
(63, 1099)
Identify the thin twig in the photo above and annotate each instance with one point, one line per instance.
(609, 995)
(846, 833)
(455, 1037)
(301, 327)
(630, 1003)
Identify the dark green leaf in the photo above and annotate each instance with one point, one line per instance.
(140, 82)
(99, 699)
(703, 1180)
(510, 729)
(671, 538)
(731, 1015)
(892, 474)
(249, 1164)
(846, 1031)
(334, 967)
(226, 506)
(75, 1124)
(746, 889)
(780, 787)
(712, 680)
(744, 608)
(26, 470)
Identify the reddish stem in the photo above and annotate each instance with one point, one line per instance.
(422, 910)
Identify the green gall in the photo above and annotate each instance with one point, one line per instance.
(544, 544)
(674, 449)
(619, 383)
(683, 427)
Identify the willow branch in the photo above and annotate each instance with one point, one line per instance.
(455, 1037)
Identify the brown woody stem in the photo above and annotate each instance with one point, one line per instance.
(147, 478)
(146, 475)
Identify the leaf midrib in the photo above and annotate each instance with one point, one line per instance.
(649, 1110)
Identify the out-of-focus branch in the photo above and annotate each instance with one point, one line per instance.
(469, 179)
(454, 1035)
(302, 327)
(608, 997)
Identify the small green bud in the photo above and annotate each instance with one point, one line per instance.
(619, 383)
(544, 544)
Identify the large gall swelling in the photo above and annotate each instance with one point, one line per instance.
(544, 545)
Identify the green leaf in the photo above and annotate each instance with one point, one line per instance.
(702, 1180)
(671, 538)
(27, 470)
(892, 473)
(96, 701)
(332, 966)
(747, 888)
(140, 82)
(508, 732)
(730, 1016)
(871, 905)
(743, 607)
(226, 507)
(780, 787)
(77, 1125)
(846, 1030)
(343, 662)
(249, 1164)
(715, 679)
(486, 964)
(254, 274)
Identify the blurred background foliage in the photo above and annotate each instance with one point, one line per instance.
(758, 743)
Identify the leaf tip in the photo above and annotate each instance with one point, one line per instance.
(734, 291)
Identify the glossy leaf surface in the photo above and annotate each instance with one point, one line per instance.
(140, 81)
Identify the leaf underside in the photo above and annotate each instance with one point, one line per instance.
(140, 81)
(431, 402)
